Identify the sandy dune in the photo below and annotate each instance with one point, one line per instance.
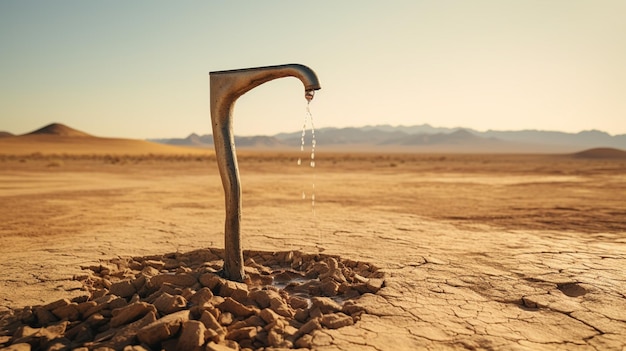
(59, 139)
(493, 252)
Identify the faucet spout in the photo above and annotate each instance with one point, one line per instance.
(226, 88)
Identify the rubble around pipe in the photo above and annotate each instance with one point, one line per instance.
(178, 301)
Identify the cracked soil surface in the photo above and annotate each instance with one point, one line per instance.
(483, 252)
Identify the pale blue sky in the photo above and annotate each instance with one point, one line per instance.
(140, 68)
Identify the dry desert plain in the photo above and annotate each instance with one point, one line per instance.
(481, 252)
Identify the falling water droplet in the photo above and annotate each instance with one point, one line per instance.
(299, 161)
(313, 142)
(303, 195)
(309, 94)
(303, 132)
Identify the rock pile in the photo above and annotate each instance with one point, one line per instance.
(179, 302)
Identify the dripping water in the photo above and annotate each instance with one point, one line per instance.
(308, 117)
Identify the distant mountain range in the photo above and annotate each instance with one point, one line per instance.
(61, 139)
(422, 138)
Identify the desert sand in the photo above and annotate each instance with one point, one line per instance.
(483, 252)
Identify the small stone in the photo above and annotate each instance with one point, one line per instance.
(34, 335)
(275, 339)
(263, 297)
(325, 304)
(135, 298)
(226, 318)
(201, 296)
(149, 271)
(57, 304)
(308, 327)
(167, 303)
(165, 288)
(318, 269)
(261, 337)
(241, 334)
(375, 284)
(187, 293)
(118, 303)
(140, 281)
(278, 305)
(210, 280)
(85, 306)
(298, 302)
(236, 290)
(351, 308)
(163, 328)
(236, 308)
(329, 287)
(209, 321)
(214, 335)
(359, 278)
(101, 304)
(301, 315)
(268, 315)
(252, 321)
(156, 264)
(336, 320)
(216, 300)
(124, 288)
(44, 317)
(180, 280)
(67, 312)
(96, 320)
(305, 342)
(100, 292)
(79, 333)
(192, 336)
(334, 271)
(315, 312)
(135, 265)
(126, 335)
(130, 313)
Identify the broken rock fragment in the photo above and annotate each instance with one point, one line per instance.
(162, 329)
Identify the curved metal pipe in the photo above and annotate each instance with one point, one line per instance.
(226, 87)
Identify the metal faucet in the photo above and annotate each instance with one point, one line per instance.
(226, 88)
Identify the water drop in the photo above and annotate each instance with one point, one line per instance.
(313, 164)
(303, 133)
(303, 195)
(299, 161)
(309, 94)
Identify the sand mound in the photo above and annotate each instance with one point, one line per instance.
(602, 153)
(59, 139)
(58, 129)
(179, 302)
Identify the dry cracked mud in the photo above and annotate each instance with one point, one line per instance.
(478, 252)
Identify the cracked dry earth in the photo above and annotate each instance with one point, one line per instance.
(481, 252)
